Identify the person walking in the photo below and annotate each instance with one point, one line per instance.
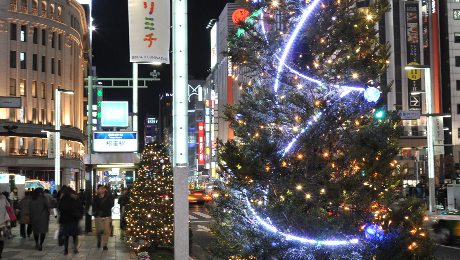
(24, 218)
(5, 223)
(102, 211)
(39, 216)
(70, 215)
(14, 198)
(123, 200)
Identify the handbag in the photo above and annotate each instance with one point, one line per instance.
(10, 211)
(27, 219)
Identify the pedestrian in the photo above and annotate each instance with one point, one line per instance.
(5, 223)
(102, 211)
(123, 201)
(14, 198)
(54, 205)
(70, 215)
(39, 216)
(24, 218)
(82, 198)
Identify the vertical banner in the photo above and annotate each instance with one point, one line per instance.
(438, 135)
(200, 143)
(51, 140)
(149, 30)
(413, 54)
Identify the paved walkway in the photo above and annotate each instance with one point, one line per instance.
(24, 248)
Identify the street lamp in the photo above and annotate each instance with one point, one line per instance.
(429, 131)
(57, 129)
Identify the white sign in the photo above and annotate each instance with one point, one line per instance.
(438, 128)
(18, 179)
(115, 141)
(51, 140)
(4, 178)
(409, 114)
(214, 50)
(149, 29)
(13, 102)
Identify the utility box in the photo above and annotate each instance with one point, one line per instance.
(453, 196)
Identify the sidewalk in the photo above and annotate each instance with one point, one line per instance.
(24, 248)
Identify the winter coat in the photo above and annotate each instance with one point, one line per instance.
(24, 208)
(69, 209)
(102, 207)
(39, 215)
(4, 217)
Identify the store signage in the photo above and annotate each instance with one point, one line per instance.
(200, 143)
(114, 114)
(18, 179)
(51, 141)
(4, 178)
(11, 102)
(413, 54)
(115, 142)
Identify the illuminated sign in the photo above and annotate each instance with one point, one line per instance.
(115, 141)
(11, 102)
(18, 179)
(4, 178)
(200, 143)
(114, 114)
(214, 50)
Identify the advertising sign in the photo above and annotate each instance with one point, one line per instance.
(114, 114)
(149, 26)
(214, 50)
(51, 140)
(413, 54)
(115, 142)
(12, 102)
(18, 179)
(200, 143)
(4, 178)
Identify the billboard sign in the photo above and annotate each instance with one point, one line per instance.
(200, 143)
(214, 50)
(413, 54)
(11, 102)
(149, 26)
(114, 141)
(114, 114)
(51, 141)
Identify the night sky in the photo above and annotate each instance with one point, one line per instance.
(111, 50)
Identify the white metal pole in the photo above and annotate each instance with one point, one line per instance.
(180, 129)
(135, 95)
(57, 128)
(430, 143)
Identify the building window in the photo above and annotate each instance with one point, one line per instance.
(34, 116)
(13, 31)
(457, 37)
(43, 90)
(52, 65)
(23, 33)
(457, 61)
(35, 37)
(12, 116)
(22, 87)
(43, 37)
(458, 109)
(43, 119)
(59, 41)
(12, 59)
(12, 87)
(59, 67)
(53, 39)
(43, 63)
(34, 89)
(52, 91)
(22, 60)
(34, 62)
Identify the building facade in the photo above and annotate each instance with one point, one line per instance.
(44, 47)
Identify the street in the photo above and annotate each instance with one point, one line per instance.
(199, 221)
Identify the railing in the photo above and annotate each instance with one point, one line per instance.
(14, 151)
(22, 151)
(34, 10)
(44, 13)
(13, 6)
(76, 155)
(59, 18)
(24, 9)
(52, 16)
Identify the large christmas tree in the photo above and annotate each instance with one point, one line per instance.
(311, 172)
(150, 215)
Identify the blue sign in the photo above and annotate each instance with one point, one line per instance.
(114, 114)
(115, 141)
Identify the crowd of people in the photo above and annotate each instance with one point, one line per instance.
(33, 213)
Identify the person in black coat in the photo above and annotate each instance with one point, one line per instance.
(102, 211)
(70, 214)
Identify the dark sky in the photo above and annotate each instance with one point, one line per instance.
(111, 50)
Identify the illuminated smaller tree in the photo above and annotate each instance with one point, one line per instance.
(150, 217)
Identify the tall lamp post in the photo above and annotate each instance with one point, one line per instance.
(57, 129)
(429, 130)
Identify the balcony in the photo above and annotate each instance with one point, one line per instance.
(24, 9)
(44, 13)
(34, 10)
(13, 6)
